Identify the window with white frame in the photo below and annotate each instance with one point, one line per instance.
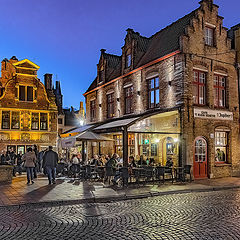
(221, 146)
(199, 87)
(209, 36)
(128, 60)
(219, 91)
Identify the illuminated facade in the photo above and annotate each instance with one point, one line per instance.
(28, 112)
(173, 95)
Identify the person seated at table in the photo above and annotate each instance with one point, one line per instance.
(75, 160)
(132, 162)
(169, 162)
(107, 157)
(100, 161)
(94, 161)
(152, 162)
(103, 159)
(142, 161)
(119, 162)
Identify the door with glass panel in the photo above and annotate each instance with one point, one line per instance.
(200, 158)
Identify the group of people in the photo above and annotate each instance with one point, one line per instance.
(33, 161)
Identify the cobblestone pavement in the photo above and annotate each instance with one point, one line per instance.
(212, 215)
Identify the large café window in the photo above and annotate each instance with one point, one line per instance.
(153, 92)
(128, 100)
(219, 91)
(199, 82)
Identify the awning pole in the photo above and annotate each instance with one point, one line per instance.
(99, 148)
(125, 147)
(83, 152)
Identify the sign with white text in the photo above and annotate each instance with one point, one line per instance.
(213, 114)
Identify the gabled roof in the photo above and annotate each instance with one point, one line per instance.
(162, 43)
(17, 64)
(93, 85)
(112, 60)
(166, 40)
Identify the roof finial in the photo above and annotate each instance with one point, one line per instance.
(103, 51)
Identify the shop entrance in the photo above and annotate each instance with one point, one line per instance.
(200, 158)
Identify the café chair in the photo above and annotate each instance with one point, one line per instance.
(187, 170)
(160, 172)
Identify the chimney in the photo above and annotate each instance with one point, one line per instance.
(13, 59)
(208, 2)
(58, 87)
(81, 110)
(48, 81)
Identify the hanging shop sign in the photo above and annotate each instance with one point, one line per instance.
(213, 114)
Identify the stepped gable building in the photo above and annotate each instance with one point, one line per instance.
(172, 96)
(28, 112)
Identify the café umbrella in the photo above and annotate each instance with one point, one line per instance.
(90, 136)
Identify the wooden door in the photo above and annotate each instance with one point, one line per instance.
(200, 158)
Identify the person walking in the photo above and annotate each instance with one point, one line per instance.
(40, 157)
(12, 160)
(19, 163)
(50, 159)
(29, 159)
(35, 170)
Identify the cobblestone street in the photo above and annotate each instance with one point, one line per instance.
(212, 215)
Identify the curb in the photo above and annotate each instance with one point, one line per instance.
(115, 198)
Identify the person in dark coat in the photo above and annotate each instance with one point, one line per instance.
(36, 169)
(3, 158)
(50, 160)
(19, 163)
(12, 160)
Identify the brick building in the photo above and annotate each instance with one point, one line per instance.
(28, 112)
(172, 95)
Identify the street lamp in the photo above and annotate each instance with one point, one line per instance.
(81, 122)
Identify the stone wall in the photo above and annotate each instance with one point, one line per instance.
(6, 173)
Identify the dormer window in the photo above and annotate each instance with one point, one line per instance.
(128, 60)
(209, 36)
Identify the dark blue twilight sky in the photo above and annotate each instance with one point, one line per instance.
(64, 37)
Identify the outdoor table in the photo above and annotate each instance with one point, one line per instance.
(137, 172)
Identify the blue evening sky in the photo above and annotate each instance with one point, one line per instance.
(64, 37)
